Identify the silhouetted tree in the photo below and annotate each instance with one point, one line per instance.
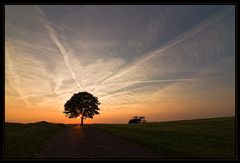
(82, 104)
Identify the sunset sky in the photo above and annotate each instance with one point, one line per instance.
(162, 62)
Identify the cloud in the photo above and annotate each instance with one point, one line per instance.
(181, 41)
(53, 54)
(64, 53)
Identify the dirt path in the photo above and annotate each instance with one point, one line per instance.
(77, 142)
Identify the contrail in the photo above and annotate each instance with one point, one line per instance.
(39, 11)
(154, 81)
(115, 94)
(186, 35)
(157, 81)
(126, 84)
(143, 81)
(60, 46)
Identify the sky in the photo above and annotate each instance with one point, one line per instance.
(164, 62)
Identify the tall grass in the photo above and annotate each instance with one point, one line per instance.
(27, 140)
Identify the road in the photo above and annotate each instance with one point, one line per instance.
(87, 142)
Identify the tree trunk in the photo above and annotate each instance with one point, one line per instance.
(82, 121)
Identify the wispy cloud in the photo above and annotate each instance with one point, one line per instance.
(52, 54)
(64, 53)
(161, 52)
(13, 78)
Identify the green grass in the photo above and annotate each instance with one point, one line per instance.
(203, 138)
(27, 140)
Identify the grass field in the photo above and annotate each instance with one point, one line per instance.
(27, 140)
(203, 138)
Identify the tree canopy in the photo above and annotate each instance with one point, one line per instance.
(82, 103)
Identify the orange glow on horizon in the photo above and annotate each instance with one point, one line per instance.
(153, 113)
(158, 64)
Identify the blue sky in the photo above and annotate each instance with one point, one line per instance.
(148, 59)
